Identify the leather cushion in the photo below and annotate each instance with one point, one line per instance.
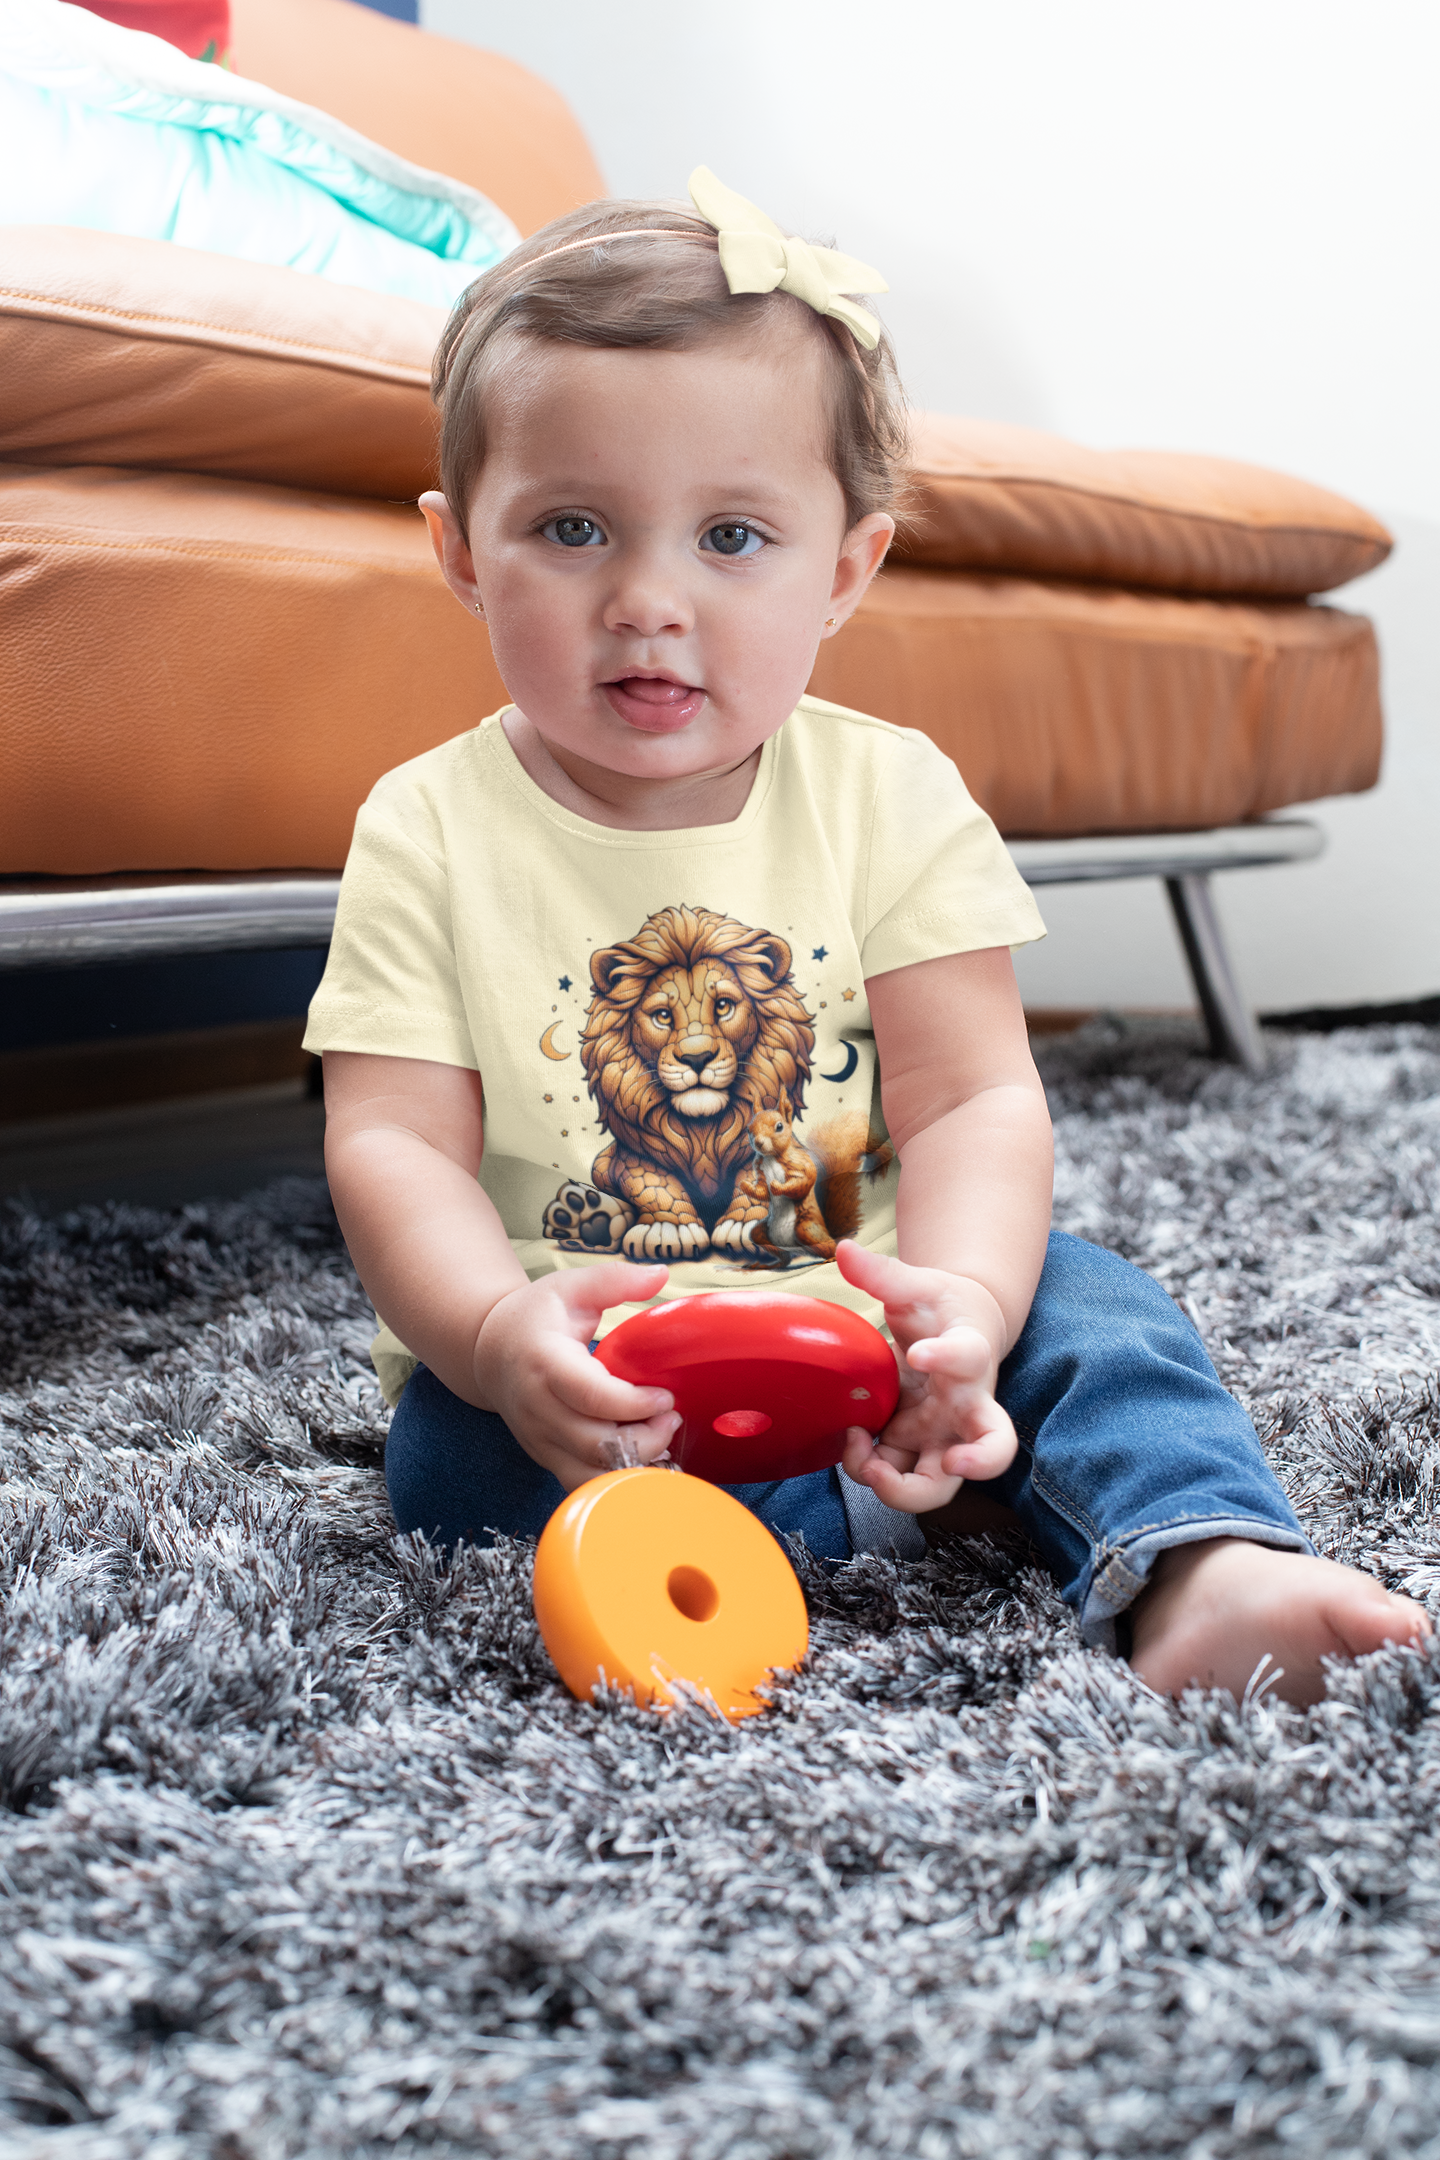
(135, 352)
(211, 674)
(988, 496)
(1077, 709)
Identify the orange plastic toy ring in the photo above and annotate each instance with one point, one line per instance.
(645, 1577)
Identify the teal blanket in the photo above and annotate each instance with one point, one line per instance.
(119, 131)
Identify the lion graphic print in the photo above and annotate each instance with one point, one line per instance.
(696, 1051)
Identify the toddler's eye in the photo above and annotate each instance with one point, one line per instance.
(574, 532)
(733, 540)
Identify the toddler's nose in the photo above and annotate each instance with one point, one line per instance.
(647, 601)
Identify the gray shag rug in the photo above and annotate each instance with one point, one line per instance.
(304, 1850)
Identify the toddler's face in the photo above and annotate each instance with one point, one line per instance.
(657, 540)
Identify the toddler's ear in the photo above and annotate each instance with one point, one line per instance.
(452, 549)
(861, 553)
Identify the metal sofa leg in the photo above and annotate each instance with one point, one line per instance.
(1233, 1033)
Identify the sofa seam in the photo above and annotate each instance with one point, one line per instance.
(217, 551)
(1132, 502)
(203, 333)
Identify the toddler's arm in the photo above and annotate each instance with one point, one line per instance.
(402, 1148)
(967, 1116)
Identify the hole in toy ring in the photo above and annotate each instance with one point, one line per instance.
(743, 1424)
(693, 1593)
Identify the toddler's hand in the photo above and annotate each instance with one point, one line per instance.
(949, 1426)
(533, 1366)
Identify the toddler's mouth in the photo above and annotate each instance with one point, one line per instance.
(654, 703)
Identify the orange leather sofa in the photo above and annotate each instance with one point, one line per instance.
(221, 621)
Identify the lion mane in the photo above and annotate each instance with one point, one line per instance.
(635, 1108)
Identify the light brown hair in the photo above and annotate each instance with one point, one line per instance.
(667, 293)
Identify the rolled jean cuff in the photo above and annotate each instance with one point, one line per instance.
(1122, 1573)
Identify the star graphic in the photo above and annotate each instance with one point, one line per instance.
(819, 953)
(849, 996)
(564, 982)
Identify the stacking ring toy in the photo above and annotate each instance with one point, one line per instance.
(647, 1577)
(765, 1382)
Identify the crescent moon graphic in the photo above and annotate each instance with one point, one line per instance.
(548, 1047)
(852, 1059)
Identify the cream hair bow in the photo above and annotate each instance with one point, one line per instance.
(757, 257)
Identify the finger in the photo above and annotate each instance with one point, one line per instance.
(650, 1436)
(907, 1456)
(588, 1293)
(879, 1275)
(859, 1450)
(913, 1491)
(977, 1462)
(961, 1353)
(956, 1384)
(641, 1440)
(915, 1299)
(984, 1453)
(921, 1422)
(583, 1384)
(962, 1427)
(864, 1451)
(577, 1449)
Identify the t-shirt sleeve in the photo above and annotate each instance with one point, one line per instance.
(940, 879)
(391, 987)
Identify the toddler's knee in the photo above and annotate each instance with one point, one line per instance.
(1098, 1303)
(1077, 1274)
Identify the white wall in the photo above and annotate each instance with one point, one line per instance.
(1134, 222)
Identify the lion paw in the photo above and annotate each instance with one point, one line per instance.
(666, 1241)
(584, 1220)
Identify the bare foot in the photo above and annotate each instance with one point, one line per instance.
(1211, 1611)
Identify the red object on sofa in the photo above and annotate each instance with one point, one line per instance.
(199, 27)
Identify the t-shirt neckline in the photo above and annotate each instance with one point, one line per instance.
(502, 752)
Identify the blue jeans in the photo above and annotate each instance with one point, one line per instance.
(1128, 1445)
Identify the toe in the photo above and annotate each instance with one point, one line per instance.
(1412, 1620)
(1366, 1623)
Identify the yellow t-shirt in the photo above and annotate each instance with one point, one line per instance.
(663, 1018)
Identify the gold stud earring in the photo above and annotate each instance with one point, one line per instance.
(831, 621)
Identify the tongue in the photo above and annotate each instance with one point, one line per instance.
(649, 692)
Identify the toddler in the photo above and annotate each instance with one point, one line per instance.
(668, 977)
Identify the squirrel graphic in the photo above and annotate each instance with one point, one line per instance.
(802, 1197)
